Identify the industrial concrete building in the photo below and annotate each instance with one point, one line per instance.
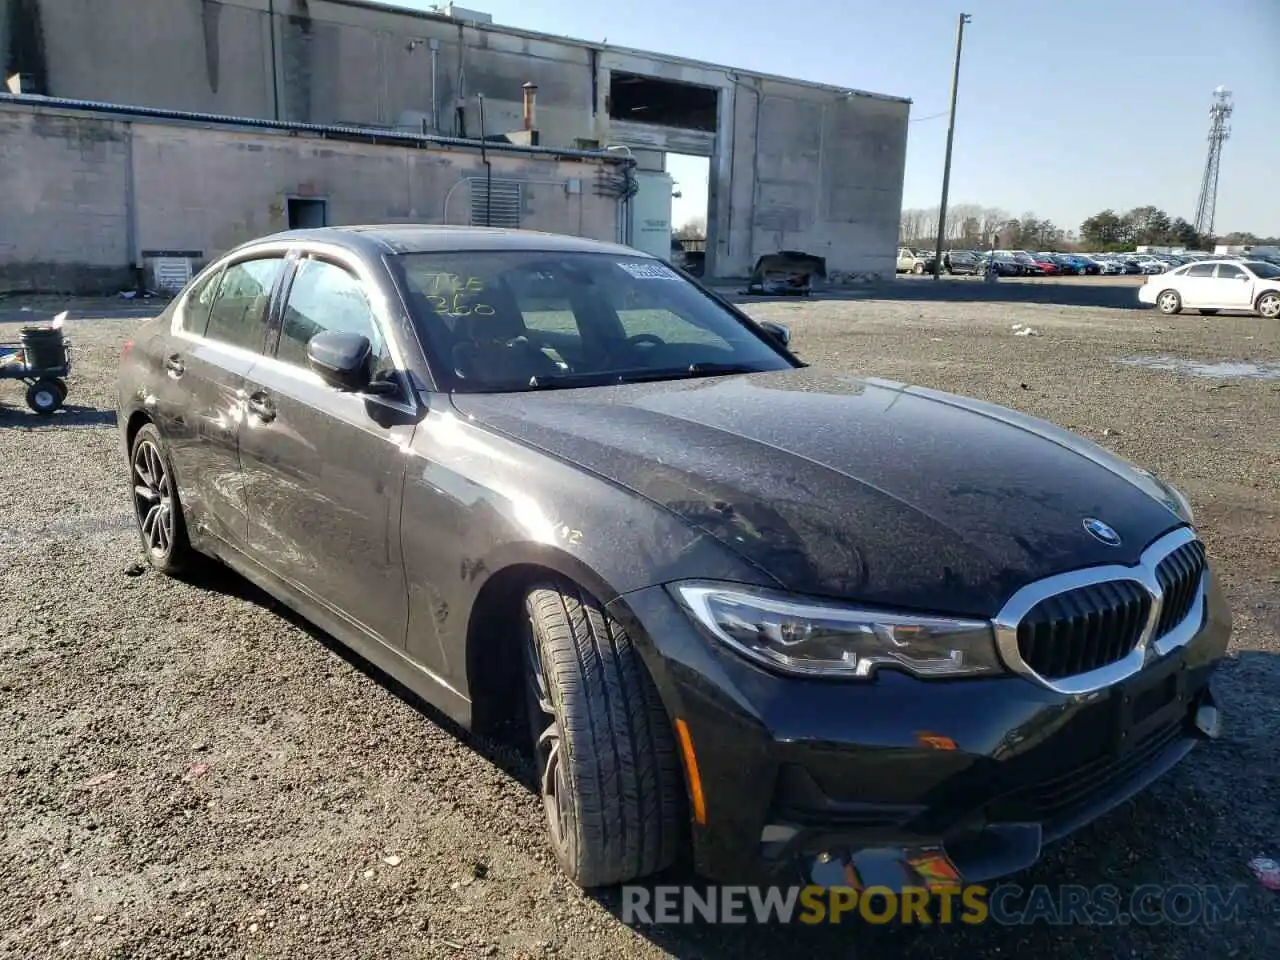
(793, 165)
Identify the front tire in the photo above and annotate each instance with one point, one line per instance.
(604, 749)
(918, 269)
(157, 506)
(1169, 302)
(1269, 305)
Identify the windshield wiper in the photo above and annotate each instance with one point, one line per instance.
(552, 381)
(715, 369)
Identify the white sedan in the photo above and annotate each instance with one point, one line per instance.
(1213, 285)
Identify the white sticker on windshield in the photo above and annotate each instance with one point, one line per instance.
(650, 271)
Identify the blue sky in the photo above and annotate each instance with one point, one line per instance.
(1066, 108)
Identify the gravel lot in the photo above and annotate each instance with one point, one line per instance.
(188, 771)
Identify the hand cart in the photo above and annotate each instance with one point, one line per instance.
(42, 360)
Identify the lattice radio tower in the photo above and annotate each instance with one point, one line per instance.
(1219, 112)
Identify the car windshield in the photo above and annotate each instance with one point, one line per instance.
(1267, 271)
(514, 320)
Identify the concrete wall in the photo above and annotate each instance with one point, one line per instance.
(794, 165)
(812, 171)
(82, 195)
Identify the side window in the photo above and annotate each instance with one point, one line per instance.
(1201, 270)
(195, 312)
(1229, 271)
(326, 298)
(239, 313)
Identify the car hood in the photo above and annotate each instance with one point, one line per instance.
(860, 489)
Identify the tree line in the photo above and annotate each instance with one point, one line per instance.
(970, 226)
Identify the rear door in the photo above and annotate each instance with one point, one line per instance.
(217, 337)
(1197, 286)
(324, 469)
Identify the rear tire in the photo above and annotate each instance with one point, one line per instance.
(604, 748)
(157, 506)
(1269, 305)
(918, 268)
(1169, 302)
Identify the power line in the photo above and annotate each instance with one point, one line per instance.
(932, 116)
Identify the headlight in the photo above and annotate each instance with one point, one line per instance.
(812, 638)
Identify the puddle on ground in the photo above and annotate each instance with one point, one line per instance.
(1223, 370)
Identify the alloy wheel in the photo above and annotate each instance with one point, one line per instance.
(1269, 306)
(549, 755)
(1168, 302)
(153, 498)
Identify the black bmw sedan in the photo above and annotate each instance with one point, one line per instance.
(785, 621)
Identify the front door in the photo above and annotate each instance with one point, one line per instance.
(217, 336)
(1233, 287)
(324, 468)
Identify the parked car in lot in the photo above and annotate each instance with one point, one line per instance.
(1005, 265)
(915, 261)
(961, 262)
(780, 617)
(1213, 285)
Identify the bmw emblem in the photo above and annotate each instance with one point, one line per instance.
(1100, 531)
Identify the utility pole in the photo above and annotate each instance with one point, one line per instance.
(951, 133)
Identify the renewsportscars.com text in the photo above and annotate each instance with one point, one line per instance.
(1005, 904)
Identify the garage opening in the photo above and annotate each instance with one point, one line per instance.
(667, 103)
(307, 214)
(689, 210)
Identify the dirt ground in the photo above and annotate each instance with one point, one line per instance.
(187, 771)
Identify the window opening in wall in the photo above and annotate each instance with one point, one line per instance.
(665, 102)
(307, 214)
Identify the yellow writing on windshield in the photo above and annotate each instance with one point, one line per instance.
(450, 295)
(455, 307)
(447, 283)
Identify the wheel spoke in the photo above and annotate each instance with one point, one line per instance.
(145, 492)
(150, 527)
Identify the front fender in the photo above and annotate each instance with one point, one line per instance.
(477, 505)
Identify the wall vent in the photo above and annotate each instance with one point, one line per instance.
(505, 207)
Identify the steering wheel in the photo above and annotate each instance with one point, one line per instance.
(638, 340)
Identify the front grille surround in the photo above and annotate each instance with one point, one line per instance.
(1088, 607)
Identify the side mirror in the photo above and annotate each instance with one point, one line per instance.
(342, 360)
(777, 331)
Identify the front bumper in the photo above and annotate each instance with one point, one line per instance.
(836, 781)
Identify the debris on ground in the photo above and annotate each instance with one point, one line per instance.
(1267, 871)
(392, 860)
(787, 273)
(196, 771)
(100, 779)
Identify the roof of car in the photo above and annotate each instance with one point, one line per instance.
(433, 238)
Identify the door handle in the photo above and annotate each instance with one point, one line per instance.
(173, 363)
(262, 407)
